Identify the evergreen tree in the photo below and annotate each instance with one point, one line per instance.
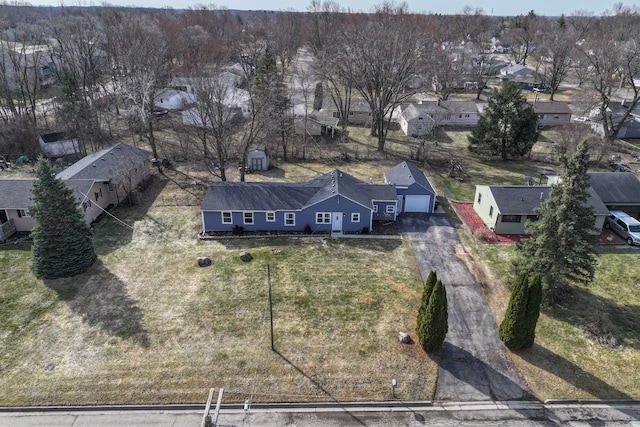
(436, 319)
(534, 301)
(513, 330)
(560, 247)
(508, 126)
(62, 245)
(421, 330)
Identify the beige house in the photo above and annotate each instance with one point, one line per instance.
(99, 181)
(552, 113)
(505, 209)
(420, 119)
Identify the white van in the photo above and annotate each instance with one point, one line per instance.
(625, 225)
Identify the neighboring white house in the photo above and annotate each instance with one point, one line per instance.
(359, 111)
(420, 119)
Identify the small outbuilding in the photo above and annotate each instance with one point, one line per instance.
(58, 144)
(258, 158)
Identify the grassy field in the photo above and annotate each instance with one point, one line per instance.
(146, 325)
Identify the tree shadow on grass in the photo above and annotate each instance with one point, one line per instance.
(568, 371)
(319, 387)
(101, 299)
(601, 319)
(112, 233)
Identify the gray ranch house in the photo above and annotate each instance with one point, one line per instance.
(415, 192)
(552, 113)
(335, 202)
(506, 209)
(420, 119)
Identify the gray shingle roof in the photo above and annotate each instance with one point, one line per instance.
(551, 107)
(405, 174)
(616, 187)
(523, 199)
(272, 196)
(16, 193)
(105, 164)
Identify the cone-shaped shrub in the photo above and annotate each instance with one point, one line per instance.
(513, 329)
(533, 308)
(421, 331)
(436, 321)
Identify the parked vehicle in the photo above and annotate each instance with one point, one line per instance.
(625, 225)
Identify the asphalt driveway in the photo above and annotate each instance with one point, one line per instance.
(475, 365)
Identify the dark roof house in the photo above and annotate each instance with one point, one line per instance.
(415, 192)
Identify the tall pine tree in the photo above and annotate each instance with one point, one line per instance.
(436, 319)
(508, 126)
(62, 245)
(421, 330)
(560, 247)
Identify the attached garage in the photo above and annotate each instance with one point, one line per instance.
(415, 193)
(417, 203)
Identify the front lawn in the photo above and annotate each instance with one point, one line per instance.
(146, 325)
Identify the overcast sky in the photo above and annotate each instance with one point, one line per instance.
(490, 7)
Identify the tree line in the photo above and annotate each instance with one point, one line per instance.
(79, 69)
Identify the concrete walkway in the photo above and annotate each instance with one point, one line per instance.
(475, 365)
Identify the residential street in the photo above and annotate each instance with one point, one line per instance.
(475, 365)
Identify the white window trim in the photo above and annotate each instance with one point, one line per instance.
(375, 208)
(355, 217)
(323, 217)
(244, 218)
(390, 209)
(24, 213)
(230, 217)
(273, 219)
(287, 216)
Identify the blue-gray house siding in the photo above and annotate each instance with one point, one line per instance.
(334, 202)
(415, 192)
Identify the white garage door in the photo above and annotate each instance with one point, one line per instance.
(417, 203)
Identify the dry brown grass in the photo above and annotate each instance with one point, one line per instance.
(146, 325)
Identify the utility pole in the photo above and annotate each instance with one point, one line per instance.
(270, 305)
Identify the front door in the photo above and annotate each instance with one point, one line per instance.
(336, 222)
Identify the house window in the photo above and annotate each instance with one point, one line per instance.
(86, 205)
(112, 187)
(391, 209)
(556, 117)
(479, 198)
(491, 212)
(541, 116)
(335, 115)
(532, 218)
(355, 217)
(375, 208)
(323, 217)
(226, 218)
(248, 217)
(290, 218)
(98, 194)
(511, 218)
(420, 118)
(351, 113)
(23, 213)
(271, 217)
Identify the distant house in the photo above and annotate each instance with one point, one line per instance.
(505, 209)
(316, 125)
(415, 192)
(552, 113)
(174, 100)
(334, 202)
(619, 191)
(58, 144)
(615, 113)
(258, 158)
(359, 111)
(420, 119)
(100, 180)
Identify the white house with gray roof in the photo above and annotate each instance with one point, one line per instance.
(420, 119)
(505, 209)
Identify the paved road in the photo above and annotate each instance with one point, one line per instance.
(475, 365)
(410, 414)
